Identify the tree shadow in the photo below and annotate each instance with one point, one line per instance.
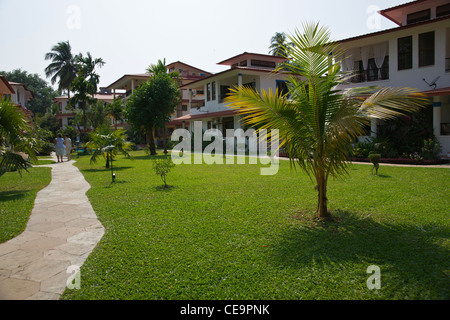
(150, 157)
(162, 188)
(414, 253)
(12, 195)
(106, 169)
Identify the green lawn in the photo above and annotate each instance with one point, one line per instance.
(17, 194)
(226, 232)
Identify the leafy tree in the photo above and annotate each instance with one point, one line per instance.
(103, 138)
(97, 115)
(13, 125)
(115, 110)
(318, 122)
(152, 103)
(85, 85)
(43, 93)
(63, 68)
(162, 167)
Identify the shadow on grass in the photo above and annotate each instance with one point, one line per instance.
(150, 157)
(164, 189)
(12, 195)
(414, 254)
(106, 169)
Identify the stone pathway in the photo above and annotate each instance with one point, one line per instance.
(61, 232)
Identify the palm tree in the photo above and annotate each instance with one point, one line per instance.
(278, 44)
(13, 125)
(63, 67)
(105, 143)
(318, 122)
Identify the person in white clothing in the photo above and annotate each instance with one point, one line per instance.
(60, 147)
(68, 143)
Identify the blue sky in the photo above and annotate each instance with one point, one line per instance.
(132, 34)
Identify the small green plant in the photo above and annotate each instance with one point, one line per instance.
(162, 168)
(375, 159)
(431, 149)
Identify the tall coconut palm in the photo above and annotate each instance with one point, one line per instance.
(317, 122)
(62, 69)
(13, 125)
(278, 44)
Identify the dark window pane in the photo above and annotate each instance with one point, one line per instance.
(426, 49)
(405, 53)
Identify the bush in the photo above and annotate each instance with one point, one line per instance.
(375, 159)
(162, 168)
(431, 149)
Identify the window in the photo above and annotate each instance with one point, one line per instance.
(184, 107)
(261, 63)
(282, 87)
(405, 53)
(443, 10)
(208, 92)
(213, 91)
(200, 91)
(418, 16)
(224, 90)
(426, 49)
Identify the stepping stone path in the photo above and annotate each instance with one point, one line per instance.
(61, 232)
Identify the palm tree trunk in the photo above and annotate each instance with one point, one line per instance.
(322, 209)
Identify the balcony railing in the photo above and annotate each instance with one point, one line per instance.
(373, 74)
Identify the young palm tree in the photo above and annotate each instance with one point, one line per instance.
(63, 67)
(103, 138)
(317, 122)
(12, 127)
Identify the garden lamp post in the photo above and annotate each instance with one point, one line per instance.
(109, 150)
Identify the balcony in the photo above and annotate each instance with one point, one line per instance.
(373, 74)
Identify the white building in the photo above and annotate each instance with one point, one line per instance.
(246, 69)
(415, 54)
(66, 115)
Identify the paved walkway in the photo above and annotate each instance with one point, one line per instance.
(61, 232)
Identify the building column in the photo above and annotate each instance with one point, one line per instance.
(240, 80)
(373, 128)
(436, 117)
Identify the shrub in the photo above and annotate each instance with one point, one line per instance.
(431, 149)
(162, 168)
(375, 159)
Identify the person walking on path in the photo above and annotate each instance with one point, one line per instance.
(60, 148)
(68, 143)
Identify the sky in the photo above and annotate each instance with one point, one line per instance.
(130, 35)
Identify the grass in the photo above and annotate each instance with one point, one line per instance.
(17, 194)
(226, 232)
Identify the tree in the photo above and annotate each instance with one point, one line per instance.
(316, 121)
(162, 167)
(278, 44)
(43, 93)
(103, 138)
(62, 69)
(13, 125)
(85, 85)
(115, 110)
(152, 103)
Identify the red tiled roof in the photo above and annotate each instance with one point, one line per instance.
(438, 92)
